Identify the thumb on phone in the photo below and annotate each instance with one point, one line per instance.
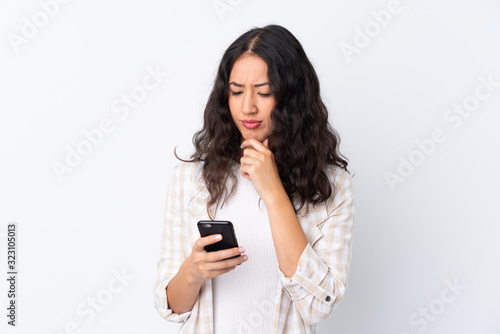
(208, 240)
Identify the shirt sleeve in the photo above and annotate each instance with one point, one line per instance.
(172, 251)
(321, 276)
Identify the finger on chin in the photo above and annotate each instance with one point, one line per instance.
(252, 142)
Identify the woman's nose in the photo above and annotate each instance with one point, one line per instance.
(249, 106)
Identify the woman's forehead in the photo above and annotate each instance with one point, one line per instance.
(249, 69)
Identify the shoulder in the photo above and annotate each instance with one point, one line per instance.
(185, 172)
(342, 188)
(188, 184)
(337, 174)
(342, 191)
(338, 177)
(186, 178)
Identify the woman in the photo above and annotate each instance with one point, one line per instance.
(267, 160)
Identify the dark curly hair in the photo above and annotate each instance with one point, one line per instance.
(302, 141)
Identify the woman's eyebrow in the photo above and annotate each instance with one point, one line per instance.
(256, 85)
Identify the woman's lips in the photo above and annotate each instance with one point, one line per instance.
(250, 123)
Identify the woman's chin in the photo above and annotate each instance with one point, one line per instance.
(253, 136)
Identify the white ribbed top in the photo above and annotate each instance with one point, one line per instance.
(244, 298)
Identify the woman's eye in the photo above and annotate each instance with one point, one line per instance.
(261, 94)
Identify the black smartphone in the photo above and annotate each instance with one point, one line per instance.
(223, 227)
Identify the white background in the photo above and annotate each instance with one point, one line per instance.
(105, 216)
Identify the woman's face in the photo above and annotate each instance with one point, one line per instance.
(250, 99)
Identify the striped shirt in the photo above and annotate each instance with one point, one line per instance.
(302, 300)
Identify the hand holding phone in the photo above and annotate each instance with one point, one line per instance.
(206, 260)
(224, 228)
